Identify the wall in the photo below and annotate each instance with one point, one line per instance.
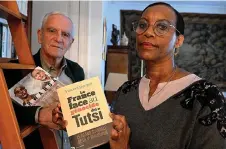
(112, 9)
(112, 14)
(95, 62)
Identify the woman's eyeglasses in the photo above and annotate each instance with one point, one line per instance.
(160, 28)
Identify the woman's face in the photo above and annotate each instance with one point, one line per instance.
(152, 47)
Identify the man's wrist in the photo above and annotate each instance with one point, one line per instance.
(37, 114)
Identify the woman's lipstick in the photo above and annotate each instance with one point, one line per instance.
(148, 45)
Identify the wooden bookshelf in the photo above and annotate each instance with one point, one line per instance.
(24, 18)
(11, 135)
(16, 66)
(9, 12)
(19, 37)
(26, 130)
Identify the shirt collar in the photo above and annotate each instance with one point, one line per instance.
(46, 66)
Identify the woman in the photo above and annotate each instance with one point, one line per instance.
(168, 108)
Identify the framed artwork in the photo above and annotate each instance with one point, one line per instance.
(127, 17)
(204, 48)
(203, 51)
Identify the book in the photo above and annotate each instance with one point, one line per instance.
(1, 28)
(13, 51)
(22, 5)
(9, 45)
(37, 88)
(85, 108)
(4, 39)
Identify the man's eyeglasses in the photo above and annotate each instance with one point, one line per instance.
(160, 28)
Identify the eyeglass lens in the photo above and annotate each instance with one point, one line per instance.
(160, 27)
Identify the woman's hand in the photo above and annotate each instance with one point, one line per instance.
(120, 132)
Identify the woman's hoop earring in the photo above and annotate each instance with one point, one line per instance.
(176, 52)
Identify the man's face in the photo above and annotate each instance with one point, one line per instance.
(39, 75)
(56, 36)
(21, 92)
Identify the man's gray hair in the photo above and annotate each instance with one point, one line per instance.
(45, 18)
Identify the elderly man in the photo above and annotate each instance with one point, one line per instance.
(55, 37)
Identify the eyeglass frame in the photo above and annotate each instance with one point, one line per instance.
(170, 25)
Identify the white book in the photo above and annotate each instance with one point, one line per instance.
(19, 4)
(25, 7)
(9, 45)
(22, 5)
(4, 40)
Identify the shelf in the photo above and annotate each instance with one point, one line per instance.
(117, 47)
(6, 60)
(6, 13)
(24, 18)
(12, 135)
(26, 130)
(16, 66)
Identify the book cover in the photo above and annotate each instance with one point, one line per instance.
(85, 108)
(37, 88)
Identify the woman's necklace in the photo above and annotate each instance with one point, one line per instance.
(171, 76)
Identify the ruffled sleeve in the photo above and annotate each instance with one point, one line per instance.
(210, 129)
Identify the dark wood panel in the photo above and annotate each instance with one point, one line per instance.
(116, 62)
(110, 95)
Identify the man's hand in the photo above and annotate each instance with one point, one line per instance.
(47, 117)
(120, 132)
(57, 117)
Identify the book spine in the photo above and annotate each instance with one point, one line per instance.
(4, 40)
(13, 51)
(1, 25)
(9, 44)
